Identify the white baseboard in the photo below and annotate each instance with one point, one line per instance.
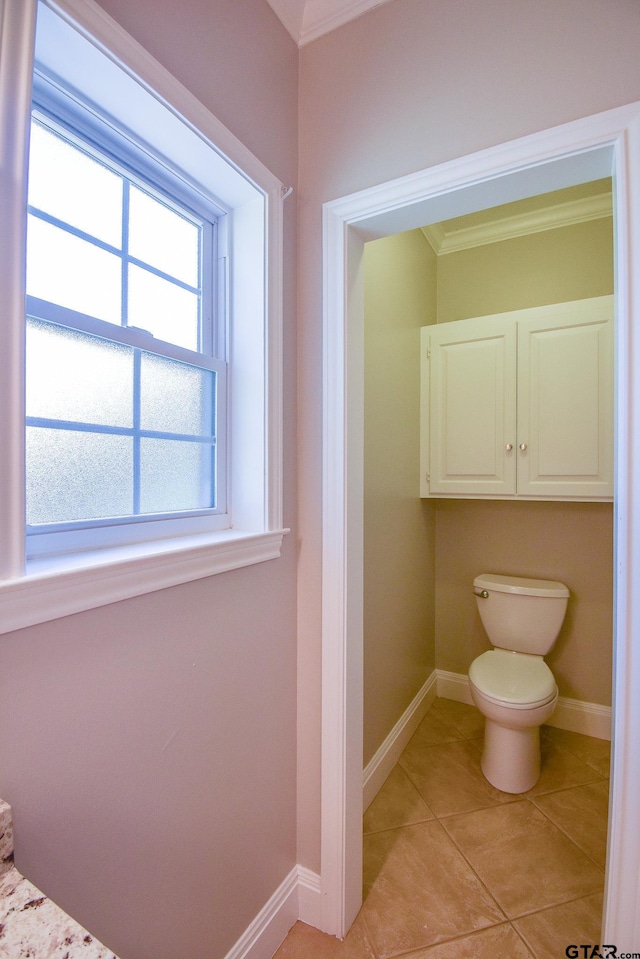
(590, 719)
(578, 717)
(266, 933)
(385, 758)
(309, 897)
(454, 686)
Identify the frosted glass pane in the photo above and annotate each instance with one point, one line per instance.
(175, 398)
(70, 185)
(166, 310)
(77, 377)
(77, 476)
(72, 272)
(163, 238)
(174, 476)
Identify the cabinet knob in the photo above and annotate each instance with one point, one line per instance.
(523, 447)
(509, 447)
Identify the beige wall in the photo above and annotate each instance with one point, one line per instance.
(571, 542)
(148, 748)
(570, 263)
(417, 575)
(399, 527)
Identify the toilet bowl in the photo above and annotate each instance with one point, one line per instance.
(511, 685)
(516, 693)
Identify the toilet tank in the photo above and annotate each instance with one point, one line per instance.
(520, 614)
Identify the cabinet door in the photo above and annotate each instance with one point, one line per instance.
(472, 407)
(565, 400)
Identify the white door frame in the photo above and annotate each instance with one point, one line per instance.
(586, 149)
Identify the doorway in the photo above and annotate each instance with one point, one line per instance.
(586, 150)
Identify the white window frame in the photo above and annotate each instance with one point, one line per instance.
(70, 118)
(77, 40)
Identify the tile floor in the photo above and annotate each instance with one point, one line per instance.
(455, 869)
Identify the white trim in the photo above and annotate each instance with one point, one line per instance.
(306, 20)
(323, 16)
(290, 13)
(265, 933)
(584, 150)
(590, 719)
(297, 897)
(342, 613)
(443, 240)
(388, 754)
(108, 576)
(108, 36)
(309, 897)
(17, 26)
(454, 686)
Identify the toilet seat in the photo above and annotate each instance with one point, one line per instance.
(513, 679)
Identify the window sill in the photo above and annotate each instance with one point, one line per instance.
(57, 587)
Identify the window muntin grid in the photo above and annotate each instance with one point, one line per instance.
(98, 282)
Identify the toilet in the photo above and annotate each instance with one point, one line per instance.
(511, 684)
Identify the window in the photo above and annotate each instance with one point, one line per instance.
(170, 373)
(125, 398)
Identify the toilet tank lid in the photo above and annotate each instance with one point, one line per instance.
(519, 584)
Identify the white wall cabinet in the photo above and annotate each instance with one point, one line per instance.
(520, 404)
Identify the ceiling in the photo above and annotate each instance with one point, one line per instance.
(306, 20)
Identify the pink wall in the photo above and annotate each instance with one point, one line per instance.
(148, 747)
(155, 798)
(236, 57)
(408, 85)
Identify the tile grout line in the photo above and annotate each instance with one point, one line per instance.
(565, 833)
(473, 870)
(491, 925)
(522, 939)
(553, 905)
(460, 737)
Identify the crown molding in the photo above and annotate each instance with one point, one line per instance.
(291, 15)
(535, 221)
(306, 20)
(323, 16)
